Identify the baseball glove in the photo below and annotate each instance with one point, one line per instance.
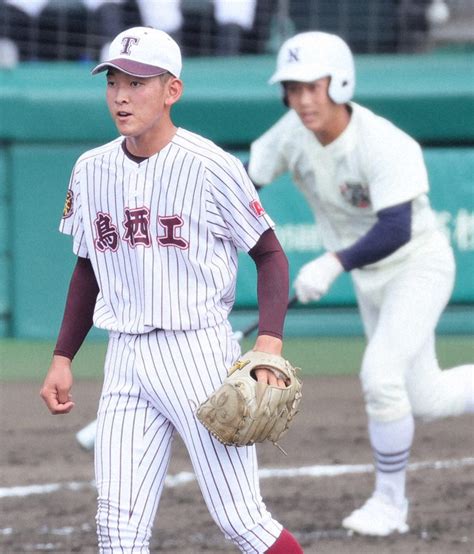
(243, 411)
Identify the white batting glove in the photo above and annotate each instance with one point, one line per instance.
(315, 278)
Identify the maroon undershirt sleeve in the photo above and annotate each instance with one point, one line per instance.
(80, 303)
(272, 284)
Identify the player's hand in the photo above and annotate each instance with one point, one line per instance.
(271, 345)
(269, 377)
(315, 278)
(56, 389)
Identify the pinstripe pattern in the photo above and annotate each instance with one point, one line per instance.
(163, 237)
(152, 383)
(173, 222)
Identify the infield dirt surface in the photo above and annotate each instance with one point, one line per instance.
(38, 448)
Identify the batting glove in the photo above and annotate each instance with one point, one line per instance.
(315, 278)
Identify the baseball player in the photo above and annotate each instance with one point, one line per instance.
(157, 217)
(367, 185)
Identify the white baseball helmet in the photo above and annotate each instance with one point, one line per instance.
(309, 56)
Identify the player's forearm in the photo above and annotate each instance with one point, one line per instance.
(80, 303)
(390, 232)
(272, 284)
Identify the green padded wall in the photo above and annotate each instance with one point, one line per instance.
(5, 260)
(42, 257)
(50, 113)
(228, 99)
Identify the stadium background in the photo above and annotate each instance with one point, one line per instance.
(416, 73)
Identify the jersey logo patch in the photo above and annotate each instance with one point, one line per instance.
(356, 194)
(68, 204)
(171, 224)
(257, 208)
(106, 232)
(137, 226)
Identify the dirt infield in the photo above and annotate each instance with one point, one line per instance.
(38, 449)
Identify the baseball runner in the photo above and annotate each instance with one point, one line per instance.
(367, 185)
(157, 217)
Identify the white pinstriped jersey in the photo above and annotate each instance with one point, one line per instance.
(163, 235)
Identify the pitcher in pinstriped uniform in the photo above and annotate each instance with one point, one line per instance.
(157, 217)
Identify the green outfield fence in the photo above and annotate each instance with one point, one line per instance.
(51, 113)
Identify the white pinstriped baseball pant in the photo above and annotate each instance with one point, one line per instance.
(152, 384)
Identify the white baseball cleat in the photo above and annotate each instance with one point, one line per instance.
(86, 436)
(378, 517)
